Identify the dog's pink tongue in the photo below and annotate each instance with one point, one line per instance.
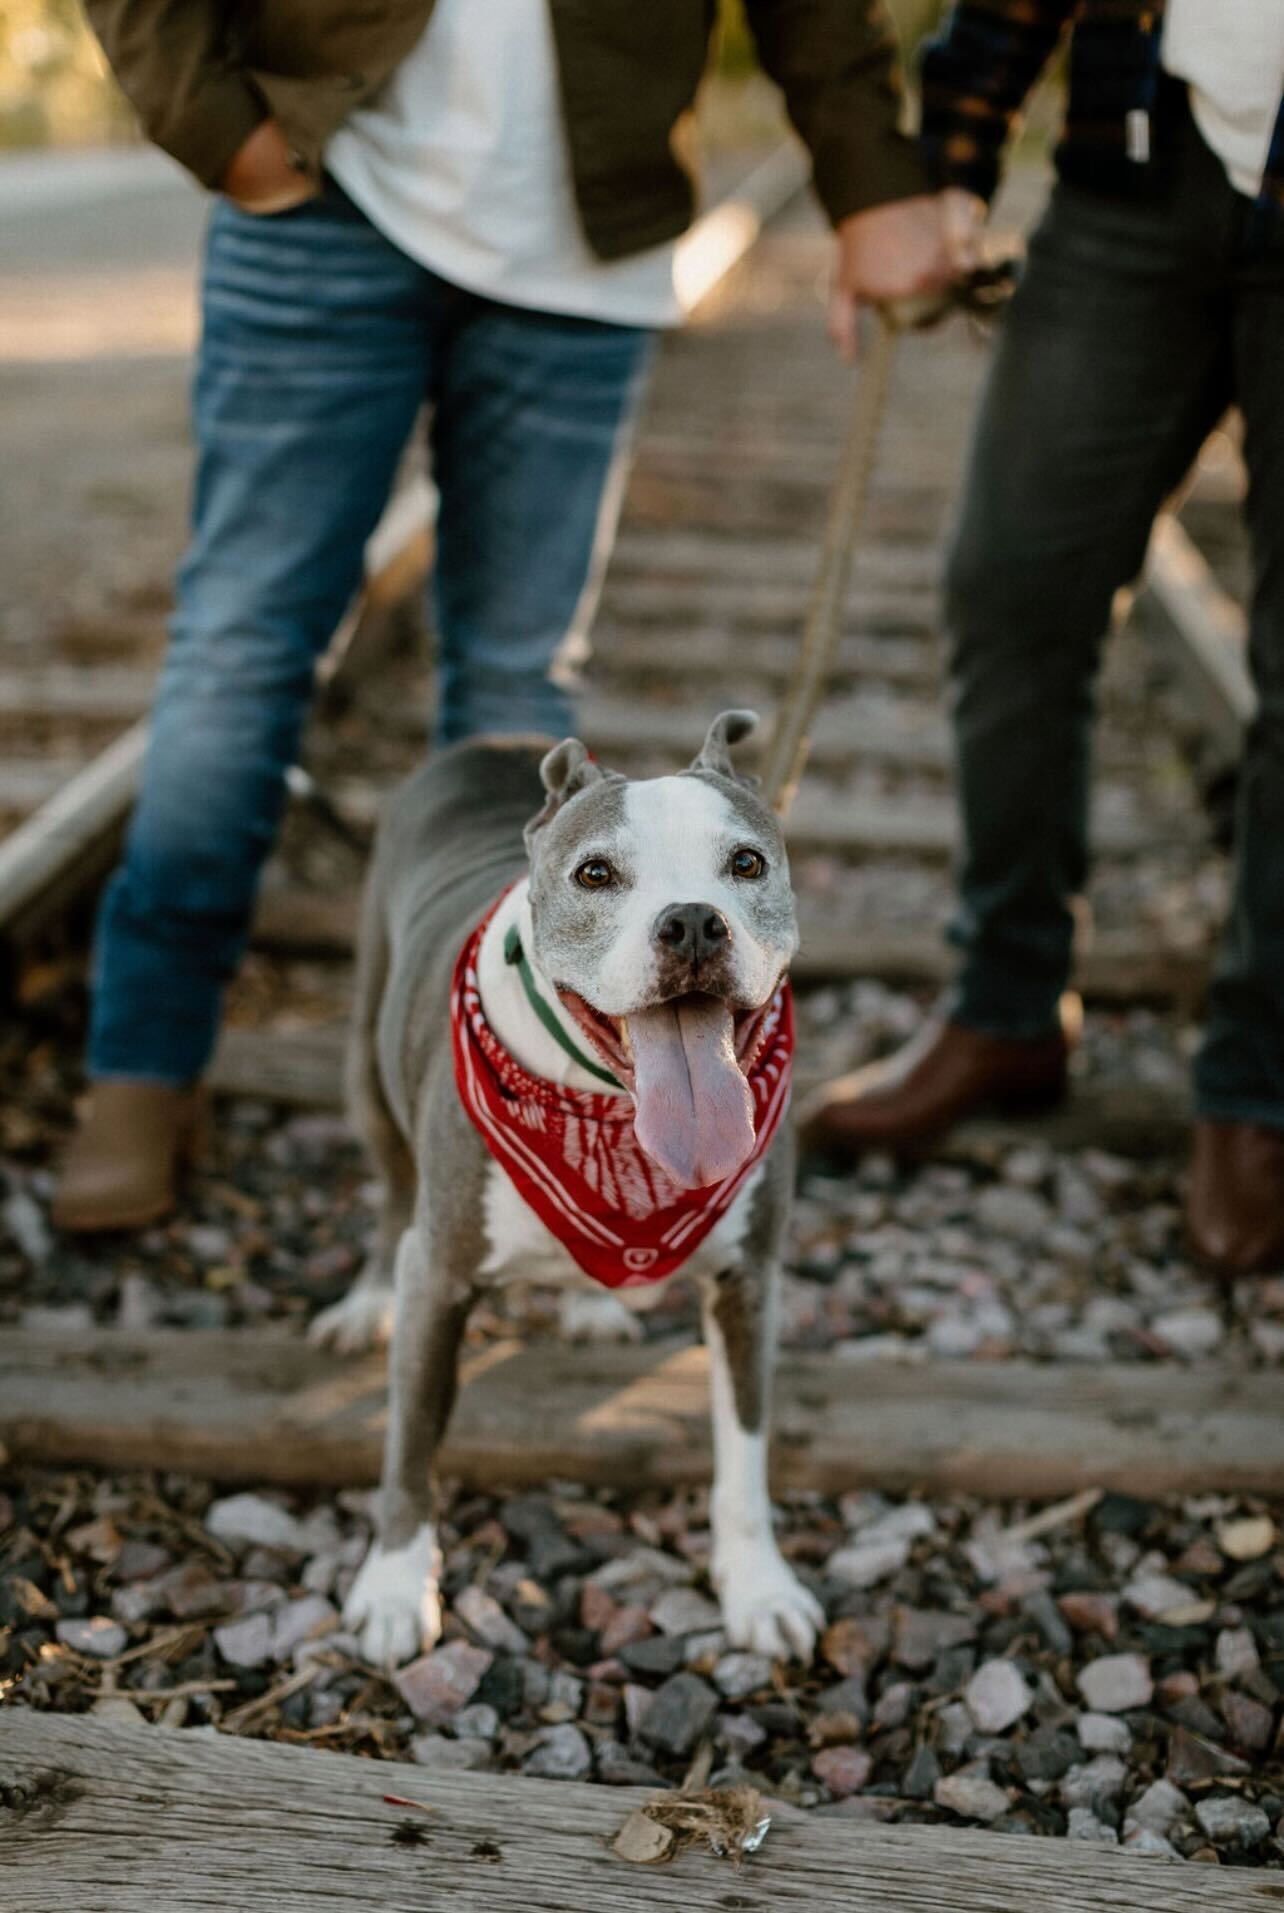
(694, 1111)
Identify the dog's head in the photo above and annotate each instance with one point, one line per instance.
(662, 913)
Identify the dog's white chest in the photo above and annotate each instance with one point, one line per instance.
(522, 1249)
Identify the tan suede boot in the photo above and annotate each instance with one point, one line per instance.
(122, 1166)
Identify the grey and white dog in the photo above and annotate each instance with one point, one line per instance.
(658, 921)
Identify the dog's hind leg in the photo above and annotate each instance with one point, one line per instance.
(364, 1316)
(395, 1604)
(765, 1606)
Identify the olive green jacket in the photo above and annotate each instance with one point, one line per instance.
(203, 73)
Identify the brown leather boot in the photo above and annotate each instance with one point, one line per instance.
(1235, 1209)
(946, 1073)
(121, 1168)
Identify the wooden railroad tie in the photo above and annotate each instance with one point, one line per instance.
(304, 1070)
(130, 1819)
(1116, 968)
(255, 1406)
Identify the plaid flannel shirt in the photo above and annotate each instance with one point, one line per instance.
(987, 57)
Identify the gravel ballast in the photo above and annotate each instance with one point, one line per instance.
(940, 1695)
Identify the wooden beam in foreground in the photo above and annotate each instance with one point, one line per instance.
(248, 1406)
(146, 1819)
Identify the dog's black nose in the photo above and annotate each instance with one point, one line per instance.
(695, 931)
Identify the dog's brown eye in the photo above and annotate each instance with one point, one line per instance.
(748, 863)
(594, 874)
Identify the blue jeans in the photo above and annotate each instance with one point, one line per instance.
(1136, 324)
(321, 341)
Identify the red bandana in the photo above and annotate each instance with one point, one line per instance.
(572, 1154)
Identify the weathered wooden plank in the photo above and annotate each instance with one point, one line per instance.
(255, 1406)
(827, 817)
(926, 824)
(734, 603)
(121, 1819)
(303, 1069)
(104, 694)
(1126, 1118)
(296, 922)
(743, 659)
(723, 500)
(1117, 969)
(849, 732)
(698, 557)
(702, 444)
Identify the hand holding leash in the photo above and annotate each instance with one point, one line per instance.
(982, 292)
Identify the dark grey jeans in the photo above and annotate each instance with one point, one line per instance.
(1137, 322)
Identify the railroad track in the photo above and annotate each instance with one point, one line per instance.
(65, 793)
(705, 596)
(704, 599)
(703, 603)
(702, 607)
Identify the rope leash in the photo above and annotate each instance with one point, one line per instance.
(983, 294)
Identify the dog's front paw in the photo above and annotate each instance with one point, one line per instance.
(597, 1318)
(395, 1605)
(362, 1320)
(765, 1606)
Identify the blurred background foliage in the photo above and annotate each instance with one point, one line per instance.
(54, 86)
(913, 19)
(55, 89)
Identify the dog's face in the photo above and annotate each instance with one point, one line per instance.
(663, 914)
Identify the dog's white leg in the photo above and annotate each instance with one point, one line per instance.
(765, 1606)
(597, 1316)
(394, 1604)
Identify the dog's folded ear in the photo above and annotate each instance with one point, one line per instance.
(728, 728)
(565, 772)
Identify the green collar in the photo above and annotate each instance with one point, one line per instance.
(514, 954)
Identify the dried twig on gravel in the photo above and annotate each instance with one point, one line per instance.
(242, 1718)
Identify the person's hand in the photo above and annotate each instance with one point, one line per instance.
(963, 216)
(900, 250)
(261, 177)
